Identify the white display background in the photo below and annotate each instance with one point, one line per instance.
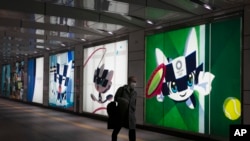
(114, 56)
(38, 90)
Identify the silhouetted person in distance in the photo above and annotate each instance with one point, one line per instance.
(125, 96)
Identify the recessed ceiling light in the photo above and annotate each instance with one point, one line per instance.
(159, 27)
(39, 46)
(111, 33)
(83, 39)
(149, 22)
(207, 6)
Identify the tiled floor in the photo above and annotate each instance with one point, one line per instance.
(24, 122)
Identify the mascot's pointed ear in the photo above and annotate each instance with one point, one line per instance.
(192, 43)
(101, 70)
(160, 57)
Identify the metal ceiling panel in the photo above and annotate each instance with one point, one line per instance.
(32, 27)
(188, 6)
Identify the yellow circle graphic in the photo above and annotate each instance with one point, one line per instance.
(232, 108)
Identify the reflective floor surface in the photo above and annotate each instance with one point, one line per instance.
(24, 122)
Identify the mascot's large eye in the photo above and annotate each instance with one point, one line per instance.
(173, 87)
(190, 81)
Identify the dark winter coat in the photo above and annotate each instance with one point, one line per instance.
(126, 99)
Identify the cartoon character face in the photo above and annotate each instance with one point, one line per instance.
(177, 95)
(181, 77)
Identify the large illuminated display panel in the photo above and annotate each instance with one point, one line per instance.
(6, 88)
(35, 80)
(17, 80)
(186, 77)
(175, 58)
(104, 70)
(61, 80)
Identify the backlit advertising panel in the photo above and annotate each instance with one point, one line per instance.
(17, 80)
(6, 85)
(35, 80)
(193, 78)
(61, 80)
(104, 70)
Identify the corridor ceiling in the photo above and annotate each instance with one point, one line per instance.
(31, 27)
